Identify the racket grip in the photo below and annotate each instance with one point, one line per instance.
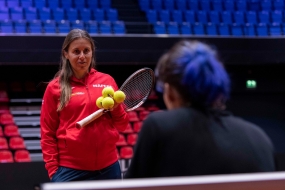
(82, 123)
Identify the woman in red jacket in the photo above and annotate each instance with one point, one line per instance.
(70, 153)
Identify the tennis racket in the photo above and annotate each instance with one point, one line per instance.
(137, 89)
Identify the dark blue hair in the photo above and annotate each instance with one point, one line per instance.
(193, 68)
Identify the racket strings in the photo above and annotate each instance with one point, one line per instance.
(138, 88)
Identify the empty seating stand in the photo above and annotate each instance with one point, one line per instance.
(53, 16)
(205, 17)
(237, 18)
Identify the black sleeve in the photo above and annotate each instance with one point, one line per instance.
(143, 162)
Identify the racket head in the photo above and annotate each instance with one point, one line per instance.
(137, 88)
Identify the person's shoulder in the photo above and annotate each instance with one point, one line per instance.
(241, 122)
(167, 115)
(53, 86)
(247, 126)
(54, 83)
(159, 114)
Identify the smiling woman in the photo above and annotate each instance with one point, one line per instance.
(70, 153)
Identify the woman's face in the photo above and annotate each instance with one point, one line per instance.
(79, 55)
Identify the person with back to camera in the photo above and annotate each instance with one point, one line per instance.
(73, 153)
(196, 135)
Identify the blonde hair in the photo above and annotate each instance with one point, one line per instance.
(65, 71)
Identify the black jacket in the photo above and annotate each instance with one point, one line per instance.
(188, 142)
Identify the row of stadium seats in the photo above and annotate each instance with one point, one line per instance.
(71, 14)
(207, 5)
(261, 29)
(63, 26)
(226, 17)
(7, 156)
(12, 145)
(105, 4)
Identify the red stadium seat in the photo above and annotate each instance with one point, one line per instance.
(6, 156)
(3, 143)
(6, 118)
(137, 126)
(11, 130)
(132, 139)
(133, 116)
(4, 108)
(4, 96)
(143, 114)
(126, 152)
(17, 143)
(22, 156)
(121, 141)
(129, 129)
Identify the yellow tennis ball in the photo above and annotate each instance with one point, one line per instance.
(108, 91)
(99, 102)
(107, 103)
(119, 96)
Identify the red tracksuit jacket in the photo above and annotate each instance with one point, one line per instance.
(90, 148)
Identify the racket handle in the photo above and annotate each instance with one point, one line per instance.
(82, 123)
